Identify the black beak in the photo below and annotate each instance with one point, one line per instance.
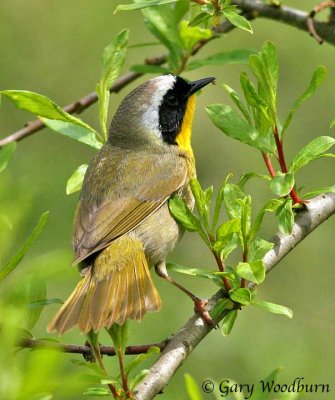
(197, 85)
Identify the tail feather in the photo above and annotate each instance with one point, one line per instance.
(68, 314)
(99, 300)
(117, 287)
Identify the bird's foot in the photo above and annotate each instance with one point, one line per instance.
(200, 307)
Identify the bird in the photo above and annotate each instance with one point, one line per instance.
(123, 225)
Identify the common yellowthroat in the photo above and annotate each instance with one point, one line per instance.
(123, 225)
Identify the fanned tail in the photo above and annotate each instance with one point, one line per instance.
(117, 287)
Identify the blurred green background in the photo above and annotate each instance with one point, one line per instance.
(54, 48)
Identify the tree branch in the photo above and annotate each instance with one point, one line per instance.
(85, 102)
(250, 8)
(76, 107)
(195, 330)
(86, 350)
(287, 15)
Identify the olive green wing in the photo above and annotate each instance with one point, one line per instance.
(120, 190)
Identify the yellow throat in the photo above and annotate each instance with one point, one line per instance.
(184, 136)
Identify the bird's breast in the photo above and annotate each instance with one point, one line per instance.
(160, 232)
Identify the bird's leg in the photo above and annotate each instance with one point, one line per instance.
(199, 304)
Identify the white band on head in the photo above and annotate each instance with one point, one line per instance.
(150, 118)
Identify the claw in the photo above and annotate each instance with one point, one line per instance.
(200, 307)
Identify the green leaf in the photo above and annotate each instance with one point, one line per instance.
(311, 151)
(285, 216)
(232, 193)
(137, 378)
(92, 367)
(237, 56)
(190, 36)
(245, 219)
(232, 125)
(220, 307)
(248, 175)
(253, 271)
(228, 228)
(259, 393)
(81, 134)
(208, 193)
(252, 96)
(240, 295)
(317, 79)
(226, 245)
(145, 44)
(149, 69)
(142, 357)
(113, 59)
(5, 222)
(107, 381)
(6, 154)
(119, 335)
(194, 272)
(44, 302)
(75, 181)
(265, 68)
(218, 203)
(281, 184)
(258, 249)
(141, 5)
(25, 334)
(192, 388)
(273, 308)
(201, 201)
(228, 322)
(327, 189)
(41, 106)
(163, 23)
(97, 391)
(238, 20)
(269, 58)
(183, 215)
(238, 102)
(270, 206)
(199, 19)
(35, 290)
(17, 258)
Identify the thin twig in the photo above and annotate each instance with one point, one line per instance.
(86, 350)
(250, 8)
(282, 163)
(73, 108)
(287, 15)
(310, 20)
(85, 102)
(268, 164)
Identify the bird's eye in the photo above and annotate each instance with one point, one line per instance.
(171, 100)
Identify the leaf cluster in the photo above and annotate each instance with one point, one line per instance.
(238, 232)
(256, 123)
(180, 27)
(120, 335)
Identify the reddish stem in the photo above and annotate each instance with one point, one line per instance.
(268, 164)
(124, 377)
(221, 268)
(280, 149)
(244, 259)
(282, 163)
(113, 390)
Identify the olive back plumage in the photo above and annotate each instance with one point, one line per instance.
(123, 225)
